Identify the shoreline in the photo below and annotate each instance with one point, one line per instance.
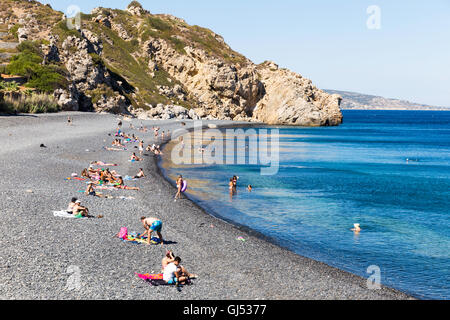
(38, 249)
(249, 231)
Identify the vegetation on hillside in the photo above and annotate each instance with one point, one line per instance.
(28, 63)
(32, 103)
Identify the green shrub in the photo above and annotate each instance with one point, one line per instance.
(27, 63)
(9, 86)
(14, 30)
(34, 103)
(134, 4)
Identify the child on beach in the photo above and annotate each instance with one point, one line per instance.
(150, 225)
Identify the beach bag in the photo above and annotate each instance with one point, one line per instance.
(123, 233)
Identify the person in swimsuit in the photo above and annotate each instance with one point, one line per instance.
(90, 191)
(85, 173)
(120, 185)
(249, 188)
(141, 147)
(134, 157)
(150, 225)
(170, 258)
(71, 205)
(140, 174)
(356, 228)
(78, 209)
(179, 187)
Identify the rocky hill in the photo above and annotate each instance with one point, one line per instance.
(354, 100)
(158, 66)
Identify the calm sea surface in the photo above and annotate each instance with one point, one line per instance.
(331, 178)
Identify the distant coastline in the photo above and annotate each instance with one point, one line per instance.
(361, 101)
(398, 108)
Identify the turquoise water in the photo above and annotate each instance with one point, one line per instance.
(331, 178)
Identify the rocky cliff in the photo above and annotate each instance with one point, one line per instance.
(158, 66)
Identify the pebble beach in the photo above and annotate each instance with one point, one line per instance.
(39, 252)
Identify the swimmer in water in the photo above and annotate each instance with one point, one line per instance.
(357, 228)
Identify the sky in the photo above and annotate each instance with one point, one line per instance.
(391, 48)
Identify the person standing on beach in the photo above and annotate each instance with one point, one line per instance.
(150, 225)
(141, 147)
(179, 187)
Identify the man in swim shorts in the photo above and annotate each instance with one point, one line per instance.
(150, 225)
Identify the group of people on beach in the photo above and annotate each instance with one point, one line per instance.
(103, 177)
(173, 271)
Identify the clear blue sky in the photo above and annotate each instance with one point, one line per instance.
(328, 41)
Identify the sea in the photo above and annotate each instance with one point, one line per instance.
(388, 171)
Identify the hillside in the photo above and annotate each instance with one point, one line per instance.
(153, 66)
(354, 100)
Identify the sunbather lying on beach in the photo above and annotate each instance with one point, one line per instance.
(91, 170)
(120, 185)
(150, 225)
(101, 163)
(140, 174)
(117, 143)
(134, 157)
(85, 173)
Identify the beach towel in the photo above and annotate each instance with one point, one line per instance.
(157, 279)
(75, 178)
(65, 214)
(132, 238)
(148, 276)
